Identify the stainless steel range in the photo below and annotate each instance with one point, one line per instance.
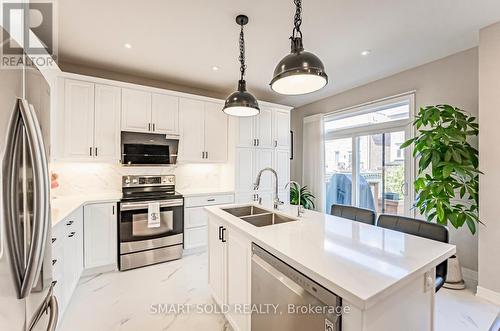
(141, 241)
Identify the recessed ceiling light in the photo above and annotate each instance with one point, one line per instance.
(215, 68)
(127, 45)
(366, 52)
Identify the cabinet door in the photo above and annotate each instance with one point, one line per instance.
(216, 265)
(78, 119)
(282, 166)
(264, 128)
(70, 264)
(245, 134)
(136, 110)
(99, 224)
(238, 277)
(107, 122)
(282, 129)
(216, 123)
(245, 174)
(264, 159)
(195, 217)
(165, 113)
(192, 122)
(195, 238)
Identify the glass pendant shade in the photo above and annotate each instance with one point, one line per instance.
(299, 72)
(241, 103)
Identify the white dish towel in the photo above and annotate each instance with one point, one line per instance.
(154, 215)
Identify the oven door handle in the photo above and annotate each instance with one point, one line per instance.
(144, 204)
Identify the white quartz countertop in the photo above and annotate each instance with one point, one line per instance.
(359, 262)
(61, 207)
(192, 192)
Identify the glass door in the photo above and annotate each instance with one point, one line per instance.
(382, 182)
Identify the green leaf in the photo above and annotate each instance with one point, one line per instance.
(447, 170)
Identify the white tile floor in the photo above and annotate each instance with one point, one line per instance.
(122, 301)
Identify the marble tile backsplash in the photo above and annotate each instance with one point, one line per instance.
(82, 178)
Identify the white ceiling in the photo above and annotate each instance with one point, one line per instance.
(179, 41)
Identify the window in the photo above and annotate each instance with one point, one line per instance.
(364, 165)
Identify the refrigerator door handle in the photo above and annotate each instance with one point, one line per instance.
(10, 196)
(51, 305)
(40, 199)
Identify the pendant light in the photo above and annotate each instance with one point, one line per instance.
(299, 72)
(241, 103)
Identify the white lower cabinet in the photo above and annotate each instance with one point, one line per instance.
(195, 218)
(67, 256)
(100, 246)
(84, 239)
(229, 254)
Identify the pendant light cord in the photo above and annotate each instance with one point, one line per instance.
(297, 21)
(242, 54)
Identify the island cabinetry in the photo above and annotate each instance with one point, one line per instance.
(229, 258)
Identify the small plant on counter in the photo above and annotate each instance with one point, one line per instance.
(447, 182)
(306, 197)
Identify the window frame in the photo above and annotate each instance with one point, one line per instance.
(404, 125)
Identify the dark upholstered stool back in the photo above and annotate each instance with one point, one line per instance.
(353, 213)
(422, 229)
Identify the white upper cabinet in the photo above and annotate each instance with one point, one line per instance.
(216, 124)
(262, 141)
(192, 121)
(245, 174)
(107, 122)
(245, 132)
(282, 129)
(91, 121)
(264, 128)
(204, 131)
(78, 119)
(136, 110)
(165, 114)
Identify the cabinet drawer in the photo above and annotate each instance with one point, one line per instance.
(208, 200)
(195, 217)
(195, 237)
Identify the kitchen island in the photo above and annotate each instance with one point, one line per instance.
(385, 278)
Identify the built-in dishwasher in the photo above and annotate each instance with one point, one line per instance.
(296, 302)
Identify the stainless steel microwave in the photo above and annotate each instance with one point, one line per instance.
(148, 149)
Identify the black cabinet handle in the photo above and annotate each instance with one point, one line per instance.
(90, 151)
(69, 222)
(96, 151)
(220, 232)
(54, 240)
(154, 127)
(223, 232)
(54, 261)
(211, 200)
(71, 234)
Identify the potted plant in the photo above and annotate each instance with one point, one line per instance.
(447, 180)
(306, 197)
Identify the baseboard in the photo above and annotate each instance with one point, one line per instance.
(488, 295)
(469, 274)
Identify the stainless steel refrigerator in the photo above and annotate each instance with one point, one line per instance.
(26, 298)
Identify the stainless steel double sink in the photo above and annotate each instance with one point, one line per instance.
(257, 216)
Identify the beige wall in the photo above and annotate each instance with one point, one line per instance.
(452, 80)
(489, 138)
